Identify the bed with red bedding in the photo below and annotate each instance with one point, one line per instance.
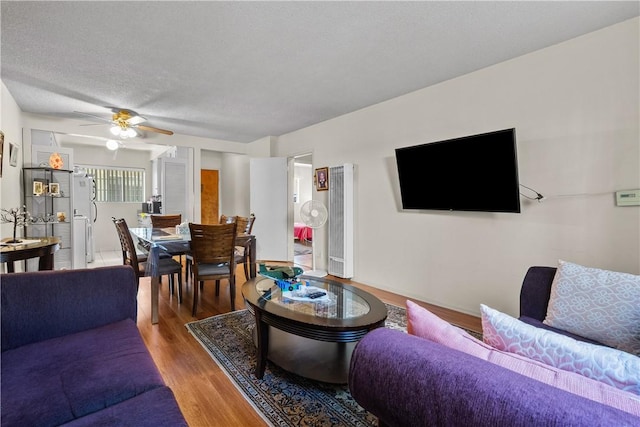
(302, 231)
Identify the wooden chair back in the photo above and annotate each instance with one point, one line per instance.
(165, 221)
(245, 224)
(129, 256)
(227, 219)
(213, 244)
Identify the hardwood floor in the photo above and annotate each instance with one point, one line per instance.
(205, 395)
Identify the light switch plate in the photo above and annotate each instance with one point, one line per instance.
(628, 198)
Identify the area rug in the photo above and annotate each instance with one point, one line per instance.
(301, 249)
(281, 398)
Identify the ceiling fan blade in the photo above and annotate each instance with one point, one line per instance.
(136, 120)
(104, 119)
(152, 129)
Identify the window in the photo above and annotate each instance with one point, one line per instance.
(118, 184)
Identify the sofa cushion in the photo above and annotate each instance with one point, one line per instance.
(57, 380)
(608, 365)
(429, 326)
(154, 408)
(598, 304)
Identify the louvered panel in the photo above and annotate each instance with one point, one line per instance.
(175, 188)
(341, 221)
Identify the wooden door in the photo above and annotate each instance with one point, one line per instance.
(209, 198)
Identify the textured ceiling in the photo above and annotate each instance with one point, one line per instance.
(239, 71)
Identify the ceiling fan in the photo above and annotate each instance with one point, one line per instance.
(125, 123)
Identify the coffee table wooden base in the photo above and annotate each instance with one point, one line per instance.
(317, 360)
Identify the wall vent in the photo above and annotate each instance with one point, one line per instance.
(341, 221)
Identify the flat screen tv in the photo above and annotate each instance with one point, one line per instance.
(472, 173)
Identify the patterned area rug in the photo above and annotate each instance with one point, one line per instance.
(301, 248)
(282, 398)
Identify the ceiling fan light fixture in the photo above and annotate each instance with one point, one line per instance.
(112, 145)
(123, 131)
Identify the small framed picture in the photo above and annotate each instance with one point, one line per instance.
(322, 179)
(13, 154)
(54, 189)
(38, 188)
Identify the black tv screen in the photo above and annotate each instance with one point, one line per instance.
(472, 173)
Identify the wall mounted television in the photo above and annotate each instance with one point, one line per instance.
(472, 173)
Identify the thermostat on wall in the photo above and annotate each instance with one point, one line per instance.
(628, 198)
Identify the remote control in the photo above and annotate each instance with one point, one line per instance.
(315, 295)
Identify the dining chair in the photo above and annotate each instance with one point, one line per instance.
(165, 221)
(167, 266)
(212, 249)
(242, 253)
(224, 219)
(140, 253)
(169, 221)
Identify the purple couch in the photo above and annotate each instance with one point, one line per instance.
(409, 381)
(72, 354)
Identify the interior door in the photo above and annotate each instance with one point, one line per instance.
(209, 197)
(174, 186)
(269, 201)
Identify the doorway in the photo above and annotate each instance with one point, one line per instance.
(302, 192)
(209, 197)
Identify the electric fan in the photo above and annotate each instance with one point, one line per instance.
(314, 214)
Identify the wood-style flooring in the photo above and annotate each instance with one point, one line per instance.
(205, 395)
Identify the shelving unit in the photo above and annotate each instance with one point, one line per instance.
(51, 210)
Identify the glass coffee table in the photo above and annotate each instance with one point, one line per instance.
(312, 337)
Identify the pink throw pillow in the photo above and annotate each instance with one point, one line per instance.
(422, 323)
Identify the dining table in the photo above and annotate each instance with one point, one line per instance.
(157, 241)
(29, 247)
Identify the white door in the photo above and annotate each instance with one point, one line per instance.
(269, 201)
(174, 187)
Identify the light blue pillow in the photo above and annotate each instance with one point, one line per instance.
(598, 304)
(608, 365)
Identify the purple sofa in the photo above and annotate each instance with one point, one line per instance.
(72, 354)
(409, 381)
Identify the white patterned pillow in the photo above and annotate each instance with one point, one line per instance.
(598, 304)
(610, 366)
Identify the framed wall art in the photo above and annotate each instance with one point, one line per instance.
(322, 179)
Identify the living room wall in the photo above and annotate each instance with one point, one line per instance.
(11, 126)
(575, 107)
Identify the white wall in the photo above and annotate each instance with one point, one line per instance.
(11, 126)
(575, 107)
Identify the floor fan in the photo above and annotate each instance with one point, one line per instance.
(314, 215)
